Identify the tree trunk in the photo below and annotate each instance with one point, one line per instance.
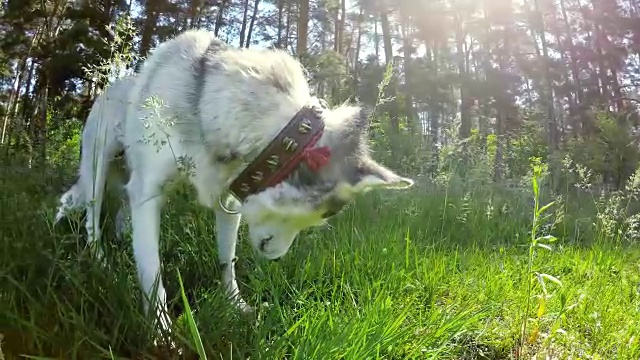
(602, 68)
(336, 29)
(376, 38)
(594, 84)
(388, 56)
(505, 107)
(41, 135)
(243, 27)
(279, 42)
(324, 13)
(436, 108)
(149, 28)
(633, 8)
(12, 103)
(356, 56)
(26, 97)
(14, 95)
(547, 91)
(194, 13)
(553, 124)
(386, 38)
(463, 78)
(339, 18)
(569, 95)
(601, 40)
(288, 28)
(219, 17)
(343, 18)
(576, 87)
(487, 67)
(617, 91)
(253, 21)
(303, 27)
(408, 76)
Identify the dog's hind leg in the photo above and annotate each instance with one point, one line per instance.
(227, 237)
(118, 176)
(92, 222)
(122, 217)
(145, 203)
(95, 169)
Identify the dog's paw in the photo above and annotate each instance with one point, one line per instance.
(163, 338)
(242, 305)
(98, 255)
(166, 348)
(247, 309)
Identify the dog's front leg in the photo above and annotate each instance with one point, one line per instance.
(227, 237)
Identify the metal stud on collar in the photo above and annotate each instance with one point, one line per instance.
(290, 144)
(305, 127)
(273, 161)
(258, 176)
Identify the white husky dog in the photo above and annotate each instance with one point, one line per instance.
(255, 142)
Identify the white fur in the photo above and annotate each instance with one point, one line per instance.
(239, 112)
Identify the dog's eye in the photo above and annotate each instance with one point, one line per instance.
(329, 213)
(264, 242)
(333, 205)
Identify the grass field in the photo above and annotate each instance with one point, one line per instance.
(438, 272)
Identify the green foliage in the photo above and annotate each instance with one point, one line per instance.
(613, 151)
(67, 139)
(120, 55)
(371, 75)
(471, 159)
(526, 143)
(438, 274)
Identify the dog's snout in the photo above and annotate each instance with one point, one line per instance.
(264, 242)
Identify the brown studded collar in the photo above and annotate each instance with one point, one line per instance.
(293, 144)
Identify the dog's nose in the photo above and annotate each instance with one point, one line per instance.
(264, 242)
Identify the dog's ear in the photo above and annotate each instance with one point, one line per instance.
(364, 172)
(346, 130)
(352, 169)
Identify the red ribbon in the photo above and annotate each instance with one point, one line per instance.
(315, 158)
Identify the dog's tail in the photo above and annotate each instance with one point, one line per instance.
(98, 147)
(70, 200)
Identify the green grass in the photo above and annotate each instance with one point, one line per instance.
(431, 273)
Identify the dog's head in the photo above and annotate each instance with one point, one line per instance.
(276, 215)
